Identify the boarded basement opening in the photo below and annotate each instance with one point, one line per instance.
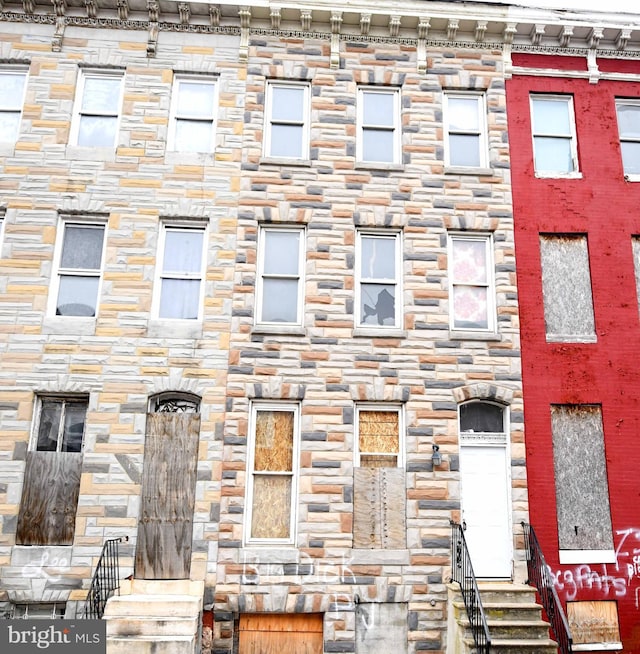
(299, 633)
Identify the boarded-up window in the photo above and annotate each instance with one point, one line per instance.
(272, 484)
(635, 242)
(566, 288)
(52, 473)
(379, 484)
(582, 493)
(299, 633)
(381, 628)
(165, 529)
(593, 622)
(378, 437)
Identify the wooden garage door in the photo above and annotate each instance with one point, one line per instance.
(281, 634)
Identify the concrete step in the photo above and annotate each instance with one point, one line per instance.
(517, 646)
(503, 610)
(499, 591)
(152, 606)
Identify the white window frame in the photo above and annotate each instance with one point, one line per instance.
(395, 127)
(481, 132)
(262, 276)
(490, 285)
(175, 116)
(14, 105)
(380, 407)
(59, 271)
(160, 275)
(293, 407)
(304, 124)
(632, 102)
(76, 119)
(64, 400)
(397, 281)
(571, 136)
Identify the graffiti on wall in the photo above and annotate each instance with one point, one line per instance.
(610, 580)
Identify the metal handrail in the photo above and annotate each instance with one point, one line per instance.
(462, 573)
(540, 577)
(106, 579)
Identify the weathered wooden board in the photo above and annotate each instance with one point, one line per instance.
(593, 622)
(379, 513)
(49, 498)
(298, 633)
(165, 529)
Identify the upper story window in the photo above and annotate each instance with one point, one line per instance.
(566, 288)
(80, 253)
(61, 424)
(555, 150)
(13, 82)
(280, 276)
(471, 282)
(273, 473)
(180, 272)
(378, 125)
(287, 120)
(629, 129)
(97, 108)
(465, 130)
(193, 111)
(378, 291)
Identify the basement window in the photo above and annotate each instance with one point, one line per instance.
(594, 626)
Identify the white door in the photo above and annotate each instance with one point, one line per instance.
(486, 507)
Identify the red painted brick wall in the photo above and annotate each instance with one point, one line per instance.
(607, 208)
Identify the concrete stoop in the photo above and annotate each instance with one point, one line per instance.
(155, 617)
(513, 617)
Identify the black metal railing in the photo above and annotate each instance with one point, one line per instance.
(106, 579)
(539, 576)
(462, 573)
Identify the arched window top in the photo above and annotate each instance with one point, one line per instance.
(174, 403)
(481, 417)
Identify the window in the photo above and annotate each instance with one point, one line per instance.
(272, 471)
(379, 431)
(81, 248)
(471, 282)
(378, 279)
(61, 424)
(39, 611)
(12, 89)
(629, 129)
(180, 273)
(52, 472)
(287, 124)
(554, 139)
(635, 248)
(193, 109)
(466, 130)
(378, 125)
(97, 108)
(594, 625)
(379, 480)
(581, 483)
(280, 283)
(566, 288)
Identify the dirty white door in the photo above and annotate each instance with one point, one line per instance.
(486, 508)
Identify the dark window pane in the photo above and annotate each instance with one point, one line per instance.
(481, 417)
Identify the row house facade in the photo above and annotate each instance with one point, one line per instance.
(259, 314)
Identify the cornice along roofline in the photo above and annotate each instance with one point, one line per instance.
(416, 22)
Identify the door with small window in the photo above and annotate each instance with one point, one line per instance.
(165, 529)
(52, 472)
(485, 488)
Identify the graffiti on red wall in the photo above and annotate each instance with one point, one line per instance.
(608, 580)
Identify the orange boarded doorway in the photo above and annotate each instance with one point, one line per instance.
(268, 633)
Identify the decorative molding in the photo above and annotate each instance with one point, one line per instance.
(537, 32)
(275, 18)
(92, 8)
(245, 22)
(214, 15)
(305, 19)
(336, 23)
(185, 12)
(123, 9)
(623, 39)
(452, 28)
(421, 52)
(29, 6)
(394, 26)
(565, 37)
(365, 24)
(594, 38)
(481, 30)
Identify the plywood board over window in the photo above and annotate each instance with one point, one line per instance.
(593, 622)
(165, 529)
